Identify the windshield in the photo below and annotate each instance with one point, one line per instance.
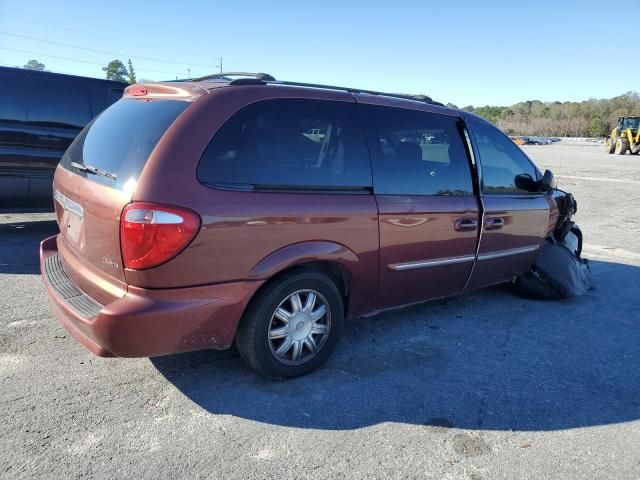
(632, 123)
(114, 147)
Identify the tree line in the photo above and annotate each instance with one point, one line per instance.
(589, 118)
(115, 70)
(119, 72)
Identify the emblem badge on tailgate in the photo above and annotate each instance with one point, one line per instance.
(109, 262)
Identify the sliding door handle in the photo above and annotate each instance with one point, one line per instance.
(465, 225)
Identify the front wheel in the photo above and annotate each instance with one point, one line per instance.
(292, 326)
(530, 285)
(621, 146)
(609, 145)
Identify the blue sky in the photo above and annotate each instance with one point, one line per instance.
(464, 52)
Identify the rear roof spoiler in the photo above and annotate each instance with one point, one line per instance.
(176, 90)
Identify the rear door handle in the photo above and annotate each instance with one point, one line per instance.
(465, 224)
(493, 223)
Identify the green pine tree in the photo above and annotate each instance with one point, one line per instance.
(132, 73)
(116, 71)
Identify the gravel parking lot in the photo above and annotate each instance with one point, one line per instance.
(483, 386)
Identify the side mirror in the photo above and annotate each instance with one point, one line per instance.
(548, 182)
(525, 182)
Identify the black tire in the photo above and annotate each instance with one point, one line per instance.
(621, 146)
(609, 145)
(530, 285)
(252, 338)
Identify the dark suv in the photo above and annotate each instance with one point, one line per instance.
(198, 214)
(40, 115)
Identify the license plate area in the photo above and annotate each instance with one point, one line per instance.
(71, 221)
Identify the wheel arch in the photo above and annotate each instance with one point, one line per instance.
(333, 260)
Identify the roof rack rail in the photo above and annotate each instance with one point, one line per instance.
(264, 77)
(404, 96)
(246, 78)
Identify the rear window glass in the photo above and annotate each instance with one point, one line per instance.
(120, 140)
(289, 143)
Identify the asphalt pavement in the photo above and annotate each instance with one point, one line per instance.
(482, 386)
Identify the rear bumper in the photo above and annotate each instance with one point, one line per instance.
(145, 323)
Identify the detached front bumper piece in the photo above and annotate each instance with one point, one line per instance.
(145, 322)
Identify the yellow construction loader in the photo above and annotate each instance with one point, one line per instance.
(626, 136)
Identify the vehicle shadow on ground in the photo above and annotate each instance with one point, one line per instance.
(20, 245)
(485, 361)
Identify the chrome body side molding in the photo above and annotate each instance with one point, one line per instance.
(440, 262)
(507, 253)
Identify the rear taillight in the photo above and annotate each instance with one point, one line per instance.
(151, 234)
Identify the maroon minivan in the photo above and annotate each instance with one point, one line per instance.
(239, 209)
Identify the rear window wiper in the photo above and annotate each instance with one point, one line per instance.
(94, 170)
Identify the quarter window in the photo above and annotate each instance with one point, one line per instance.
(501, 160)
(416, 153)
(289, 143)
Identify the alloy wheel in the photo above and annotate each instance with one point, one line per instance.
(299, 327)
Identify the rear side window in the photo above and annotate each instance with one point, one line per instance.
(416, 153)
(59, 103)
(120, 140)
(501, 160)
(289, 143)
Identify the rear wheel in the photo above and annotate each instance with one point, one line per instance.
(621, 146)
(609, 145)
(292, 326)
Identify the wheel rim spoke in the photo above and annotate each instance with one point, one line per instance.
(318, 313)
(278, 333)
(282, 315)
(297, 350)
(296, 303)
(310, 343)
(309, 303)
(284, 348)
(319, 328)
